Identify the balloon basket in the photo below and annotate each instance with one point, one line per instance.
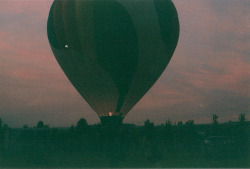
(111, 120)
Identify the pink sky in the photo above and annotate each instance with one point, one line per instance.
(208, 74)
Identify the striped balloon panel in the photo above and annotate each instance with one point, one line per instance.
(113, 51)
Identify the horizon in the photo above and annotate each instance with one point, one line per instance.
(174, 123)
(207, 74)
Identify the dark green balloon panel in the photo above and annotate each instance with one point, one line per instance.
(113, 51)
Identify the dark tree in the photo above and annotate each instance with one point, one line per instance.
(40, 124)
(242, 117)
(81, 125)
(1, 123)
(25, 126)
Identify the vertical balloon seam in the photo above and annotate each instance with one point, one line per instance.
(59, 36)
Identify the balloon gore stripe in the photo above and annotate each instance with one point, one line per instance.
(113, 51)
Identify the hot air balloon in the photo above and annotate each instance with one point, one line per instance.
(113, 51)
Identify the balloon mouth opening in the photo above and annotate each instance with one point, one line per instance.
(112, 119)
(109, 114)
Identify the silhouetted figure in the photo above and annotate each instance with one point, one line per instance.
(190, 123)
(1, 140)
(243, 136)
(81, 132)
(150, 142)
(215, 119)
(179, 123)
(190, 135)
(149, 129)
(169, 135)
(1, 123)
(216, 128)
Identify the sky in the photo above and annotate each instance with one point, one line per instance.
(208, 74)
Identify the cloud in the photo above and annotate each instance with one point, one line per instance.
(209, 66)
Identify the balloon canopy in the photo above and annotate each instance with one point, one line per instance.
(113, 51)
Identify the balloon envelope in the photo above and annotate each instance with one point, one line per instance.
(113, 51)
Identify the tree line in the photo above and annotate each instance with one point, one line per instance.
(173, 144)
(82, 122)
